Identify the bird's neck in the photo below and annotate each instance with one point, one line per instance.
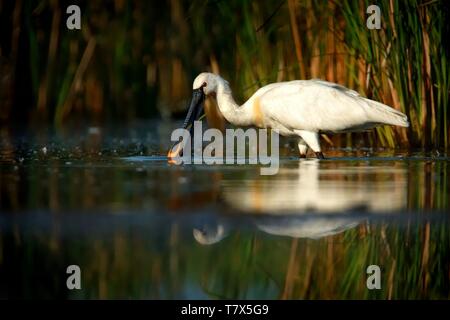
(232, 112)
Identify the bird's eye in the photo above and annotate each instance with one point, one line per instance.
(204, 84)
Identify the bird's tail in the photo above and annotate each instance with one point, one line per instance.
(382, 113)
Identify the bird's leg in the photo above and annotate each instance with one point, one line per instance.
(319, 155)
(312, 140)
(302, 147)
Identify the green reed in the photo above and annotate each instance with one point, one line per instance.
(407, 60)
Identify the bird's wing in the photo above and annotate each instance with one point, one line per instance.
(317, 105)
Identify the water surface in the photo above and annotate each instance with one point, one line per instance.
(107, 200)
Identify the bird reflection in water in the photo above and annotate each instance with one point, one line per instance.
(312, 200)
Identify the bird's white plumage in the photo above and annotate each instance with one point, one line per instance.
(316, 105)
(303, 108)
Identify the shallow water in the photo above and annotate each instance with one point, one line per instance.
(138, 227)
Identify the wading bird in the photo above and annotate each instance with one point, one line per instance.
(302, 108)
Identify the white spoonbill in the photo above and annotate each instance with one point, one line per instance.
(302, 108)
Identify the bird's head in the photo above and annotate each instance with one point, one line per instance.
(204, 84)
(210, 234)
(206, 81)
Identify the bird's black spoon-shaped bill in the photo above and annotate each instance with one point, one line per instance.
(194, 112)
(195, 108)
